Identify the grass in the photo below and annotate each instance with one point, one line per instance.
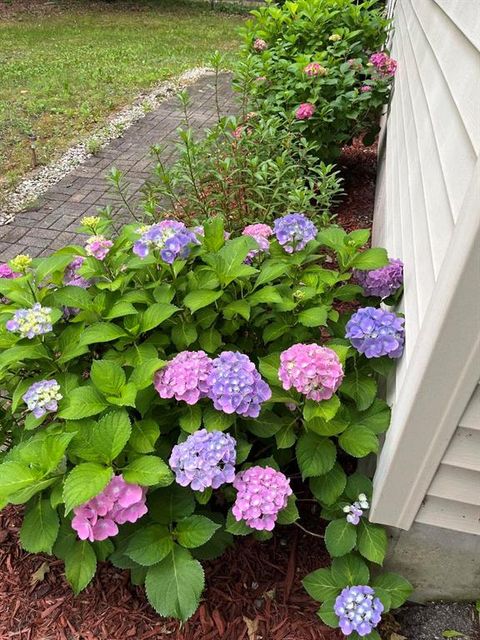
(64, 69)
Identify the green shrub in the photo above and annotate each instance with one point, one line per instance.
(248, 169)
(110, 323)
(340, 36)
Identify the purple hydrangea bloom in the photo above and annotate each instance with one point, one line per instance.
(314, 371)
(71, 276)
(381, 282)
(293, 231)
(358, 610)
(235, 386)
(42, 397)
(171, 237)
(376, 332)
(7, 272)
(260, 233)
(262, 493)
(355, 511)
(98, 247)
(31, 322)
(119, 502)
(184, 377)
(205, 459)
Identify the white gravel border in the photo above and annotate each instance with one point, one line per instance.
(41, 179)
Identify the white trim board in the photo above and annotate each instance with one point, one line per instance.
(440, 378)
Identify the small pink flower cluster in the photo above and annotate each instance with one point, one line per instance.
(7, 272)
(118, 503)
(185, 377)
(98, 247)
(260, 45)
(314, 371)
(385, 65)
(260, 233)
(314, 69)
(365, 88)
(262, 493)
(305, 111)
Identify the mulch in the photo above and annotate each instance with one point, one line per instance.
(253, 592)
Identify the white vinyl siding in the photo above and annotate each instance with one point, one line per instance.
(428, 214)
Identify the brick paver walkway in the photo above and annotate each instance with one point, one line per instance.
(52, 224)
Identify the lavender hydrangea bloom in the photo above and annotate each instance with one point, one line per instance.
(42, 397)
(235, 386)
(205, 459)
(119, 502)
(293, 231)
(171, 237)
(31, 322)
(375, 333)
(185, 377)
(262, 493)
(355, 511)
(71, 276)
(260, 233)
(358, 610)
(381, 282)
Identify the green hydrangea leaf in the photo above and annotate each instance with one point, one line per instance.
(80, 565)
(175, 584)
(40, 527)
(194, 531)
(340, 537)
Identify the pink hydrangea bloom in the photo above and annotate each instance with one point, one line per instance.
(118, 503)
(314, 69)
(305, 111)
(383, 63)
(184, 377)
(260, 45)
(7, 272)
(314, 371)
(98, 247)
(365, 88)
(262, 493)
(260, 233)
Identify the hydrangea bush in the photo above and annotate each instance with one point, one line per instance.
(321, 67)
(164, 386)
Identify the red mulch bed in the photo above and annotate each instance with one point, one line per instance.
(358, 168)
(253, 592)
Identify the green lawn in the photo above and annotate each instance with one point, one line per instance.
(62, 72)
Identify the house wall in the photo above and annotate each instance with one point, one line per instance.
(428, 214)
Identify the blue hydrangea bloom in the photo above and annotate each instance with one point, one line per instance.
(171, 237)
(31, 322)
(293, 231)
(42, 397)
(235, 386)
(358, 610)
(205, 459)
(376, 332)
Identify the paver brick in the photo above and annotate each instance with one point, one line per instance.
(52, 224)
